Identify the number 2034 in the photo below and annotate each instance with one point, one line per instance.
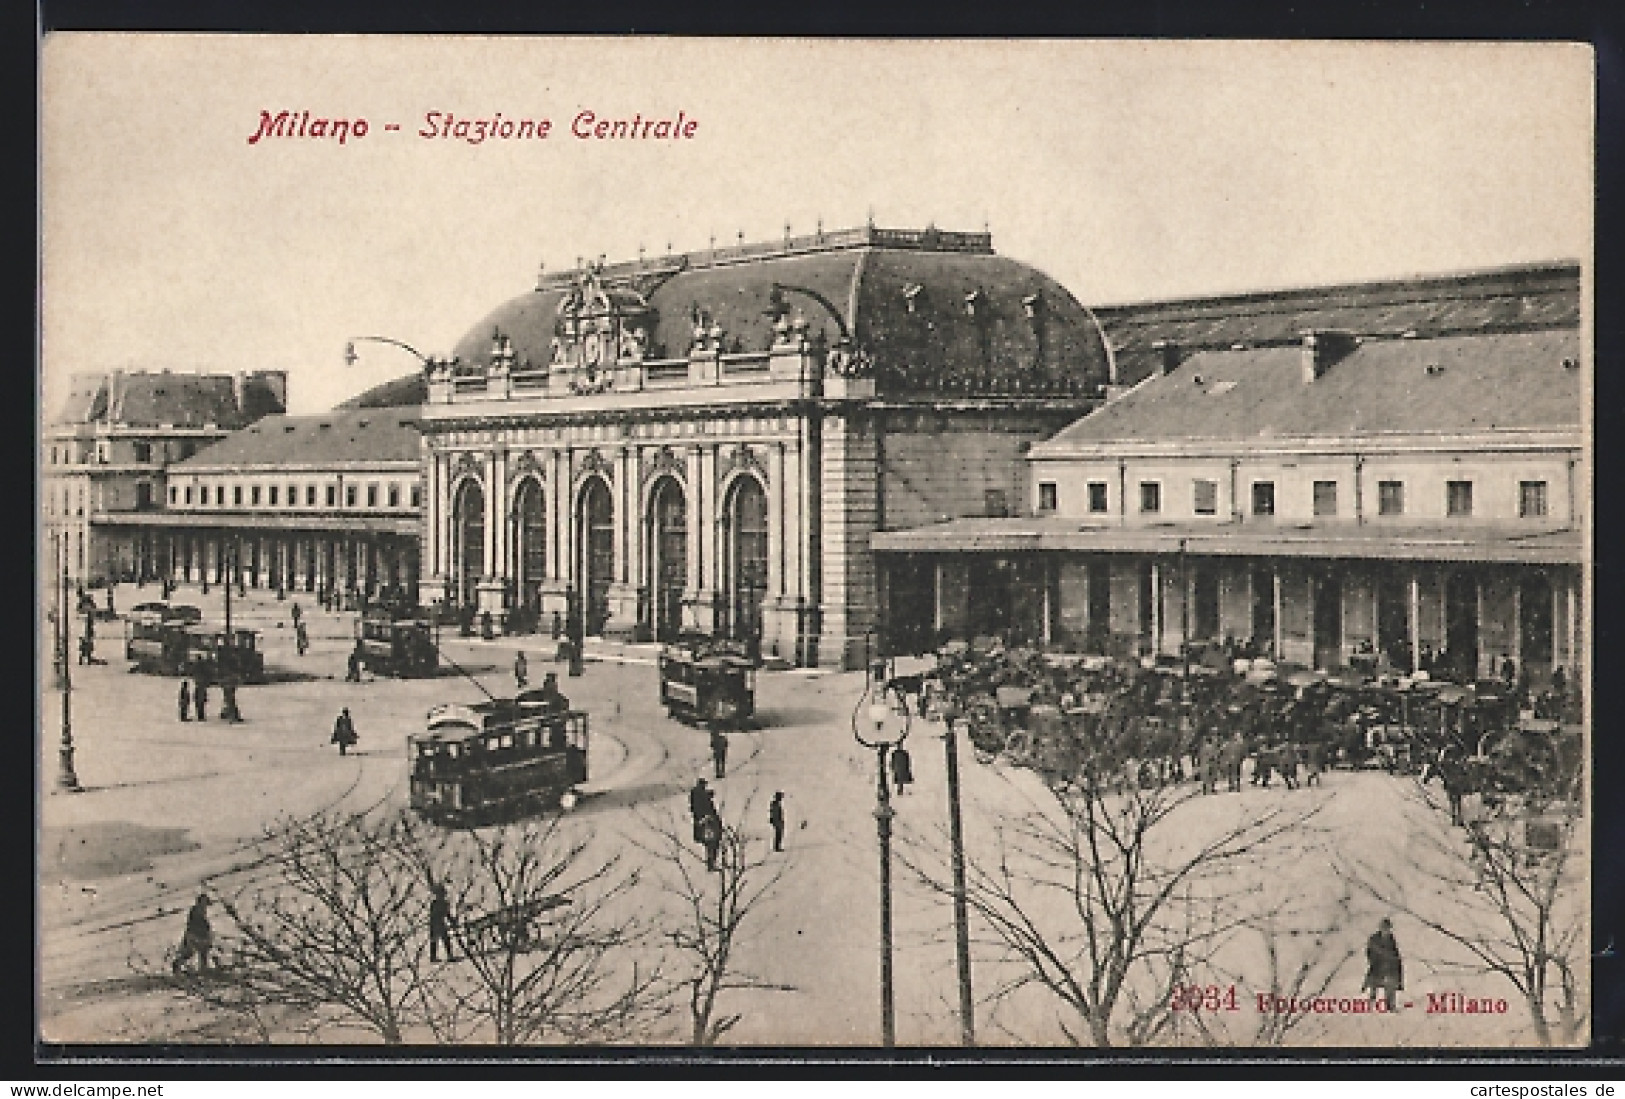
(1204, 998)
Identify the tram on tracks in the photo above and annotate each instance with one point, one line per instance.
(705, 681)
(497, 760)
(392, 642)
(170, 639)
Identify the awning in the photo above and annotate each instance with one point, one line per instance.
(240, 522)
(1371, 541)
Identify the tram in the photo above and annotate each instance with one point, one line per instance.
(706, 681)
(155, 637)
(397, 644)
(497, 759)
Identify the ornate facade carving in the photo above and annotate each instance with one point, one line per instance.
(593, 462)
(662, 461)
(467, 464)
(742, 458)
(526, 465)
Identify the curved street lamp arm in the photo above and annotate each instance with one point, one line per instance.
(350, 355)
(846, 333)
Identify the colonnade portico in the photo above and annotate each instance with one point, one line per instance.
(659, 531)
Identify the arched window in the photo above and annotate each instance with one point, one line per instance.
(745, 544)
(468, 539)
(596, 547)
(668, 564)
(530, 548)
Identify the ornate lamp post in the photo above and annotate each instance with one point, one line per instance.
(350, 357)
(67, 779)
(886, 732)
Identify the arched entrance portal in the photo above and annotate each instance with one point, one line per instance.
(595, 520)
(745, 544)
(467, 539)
(530, 545)
(668, 567)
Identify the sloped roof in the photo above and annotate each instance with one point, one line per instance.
(144, 399)
(1523, 297)
(351, 436)
(926, 338)
(407, 391)
(1479, 383)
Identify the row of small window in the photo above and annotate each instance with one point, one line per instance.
(1390, 498)
(271, 498)
(143, 453)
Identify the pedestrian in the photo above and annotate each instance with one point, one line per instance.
(719, 750)
(228, 704)
(700, 805)
(87, 649)
(344, 731)
(186, 700)
(521, 671)
(1384, 969)
(352, 671)
(294, 613)
(1207, 764)
(198, 938)
(711, 838)
(110, 611)
(1231, 757)
(440, 924)
(301, 638)
(200, 697)
(1286, 761)
(1509, 672)
(1315, 759)
(902, 768)
(775, 817)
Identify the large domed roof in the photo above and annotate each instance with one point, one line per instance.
(938, 311)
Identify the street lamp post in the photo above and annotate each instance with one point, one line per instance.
(956, 840)
(350, 357)
(879, 717)
(67, 779)
(1184, 616)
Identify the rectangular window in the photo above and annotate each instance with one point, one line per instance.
(1390, 497)
(1531, 499)
(1458, 499)
(993, 503)
(293, 496)
(1047, 496)
(254, 496)
(310, 496)
(1263, 497)
(1150, 497)
(394, 496)
(188, 494)
(1097, 496)
(1205, 497)
(417, 496)
(1325, 497)
(372, 496)
(271, 492)
(143, 452)
(173, 493)
(237, 496)
(332, 496)
(349, 496)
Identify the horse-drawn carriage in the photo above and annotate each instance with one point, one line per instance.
(497, 759)
(707, 681)
(170, 639)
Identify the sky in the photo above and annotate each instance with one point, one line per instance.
(1126, 170)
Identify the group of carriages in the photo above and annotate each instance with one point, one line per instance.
(172, 639)
(1077, 717)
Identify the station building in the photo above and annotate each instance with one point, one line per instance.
(107, 451)
(1412, 483)
(707, 442)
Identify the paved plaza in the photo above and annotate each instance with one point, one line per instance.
(168, 807)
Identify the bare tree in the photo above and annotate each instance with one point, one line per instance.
(1107, 901)
(1504, 890)
(547, 939)
(333, 927)
(713, 907)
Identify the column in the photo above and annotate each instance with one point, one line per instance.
(696, 522)
(1413, 621)
(775, 521)
(1275, 595)
(1156, 608)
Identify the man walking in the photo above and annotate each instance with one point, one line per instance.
(301, 638)
(1384, 969)
(521, 671)
(186, 700)
(902, 768)
(711, 837)
(198, 938)
(200, 698)
(344, 731)
(700, 806)
(352, 673)
(440, 922)
(719, 750)
(775, 817)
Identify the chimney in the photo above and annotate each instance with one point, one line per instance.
(1170, 355)
(1322, 348)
